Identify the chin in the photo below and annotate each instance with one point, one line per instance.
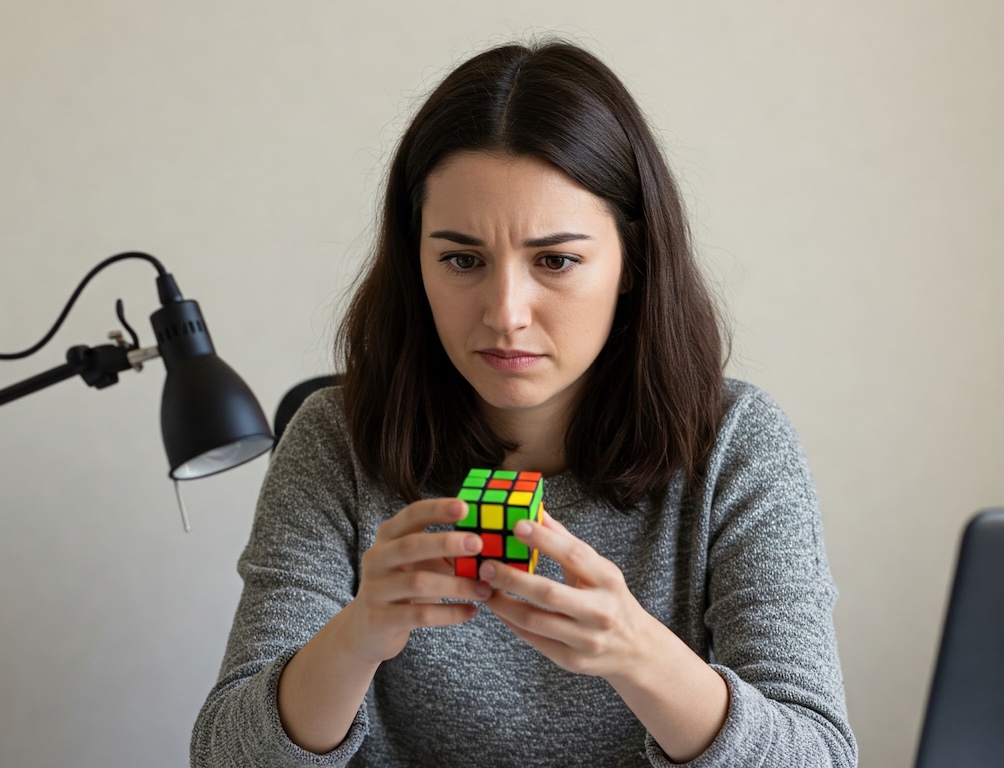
(514, 396)
(508, 401)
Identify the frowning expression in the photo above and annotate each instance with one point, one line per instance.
(522, 269)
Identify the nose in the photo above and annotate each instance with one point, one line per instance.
(507, 300)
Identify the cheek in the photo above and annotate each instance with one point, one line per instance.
(581, 324)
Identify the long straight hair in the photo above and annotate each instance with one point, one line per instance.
(652, 400)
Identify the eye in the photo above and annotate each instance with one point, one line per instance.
(557, 262)
(460, 262)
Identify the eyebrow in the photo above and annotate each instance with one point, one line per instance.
(534, 242)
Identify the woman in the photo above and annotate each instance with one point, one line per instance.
(533, 303)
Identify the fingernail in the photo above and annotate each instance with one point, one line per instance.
(522, 528)
(488, 571)
(483, 590)
(472, 543)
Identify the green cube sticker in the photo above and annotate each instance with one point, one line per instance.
(469, 494)
(514, 515)
(471, 521)
(516, 549)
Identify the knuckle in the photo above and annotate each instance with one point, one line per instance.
(605, 622)
(386, 529)
(593, 646)
(613, 575)
(549, 593)
(420, 613)
(417, 582)
(578, 553)
(574, 664)
(408, 547)
(534, 622)
(427, 614)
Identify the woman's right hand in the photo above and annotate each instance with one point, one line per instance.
(406, 574)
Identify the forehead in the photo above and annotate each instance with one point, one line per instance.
(483, 186)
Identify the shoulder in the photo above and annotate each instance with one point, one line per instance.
(315, 447)
(752, 422)
(321, 406)
(760, 510)
(319, 421)
(316, 456)
(757, 466)
(746, 403)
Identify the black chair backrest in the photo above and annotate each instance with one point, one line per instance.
(965, 705)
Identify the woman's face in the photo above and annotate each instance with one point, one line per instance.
(522, 268)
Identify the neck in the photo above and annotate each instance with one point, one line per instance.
(539, 434)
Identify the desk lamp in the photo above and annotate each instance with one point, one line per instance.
(209, 418)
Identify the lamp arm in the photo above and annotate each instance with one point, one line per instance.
(37, 382)
(98, 366)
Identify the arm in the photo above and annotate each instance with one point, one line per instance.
(768, 613)
(593, 625)
(770, 597)
(309, 630)
(404, 576)
(298, 572)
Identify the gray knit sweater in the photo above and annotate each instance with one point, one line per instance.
(734, 566)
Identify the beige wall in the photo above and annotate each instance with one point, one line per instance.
(843, 166)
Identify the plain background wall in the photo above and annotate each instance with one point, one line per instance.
(842, 163)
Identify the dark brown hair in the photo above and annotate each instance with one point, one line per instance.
(653, 397)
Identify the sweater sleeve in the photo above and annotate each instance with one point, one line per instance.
(770, 602)
(298, 571)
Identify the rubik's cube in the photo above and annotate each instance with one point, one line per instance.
(496, 501)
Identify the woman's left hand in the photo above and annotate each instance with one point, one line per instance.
(591, 624)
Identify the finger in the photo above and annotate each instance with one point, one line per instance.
(427, 587)
(530, 620)
(539, 591)
(410, 615)
(545, 644)
(576, 558)
(442, 565)
(420, 515)
(415, 548)
(551, 522)
(557, 651)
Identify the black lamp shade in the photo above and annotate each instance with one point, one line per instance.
(209, 417)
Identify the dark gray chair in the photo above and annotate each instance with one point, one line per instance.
(965, 705)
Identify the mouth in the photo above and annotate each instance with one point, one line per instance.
(509, 360)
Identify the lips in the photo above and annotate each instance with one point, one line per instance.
(509, 360)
